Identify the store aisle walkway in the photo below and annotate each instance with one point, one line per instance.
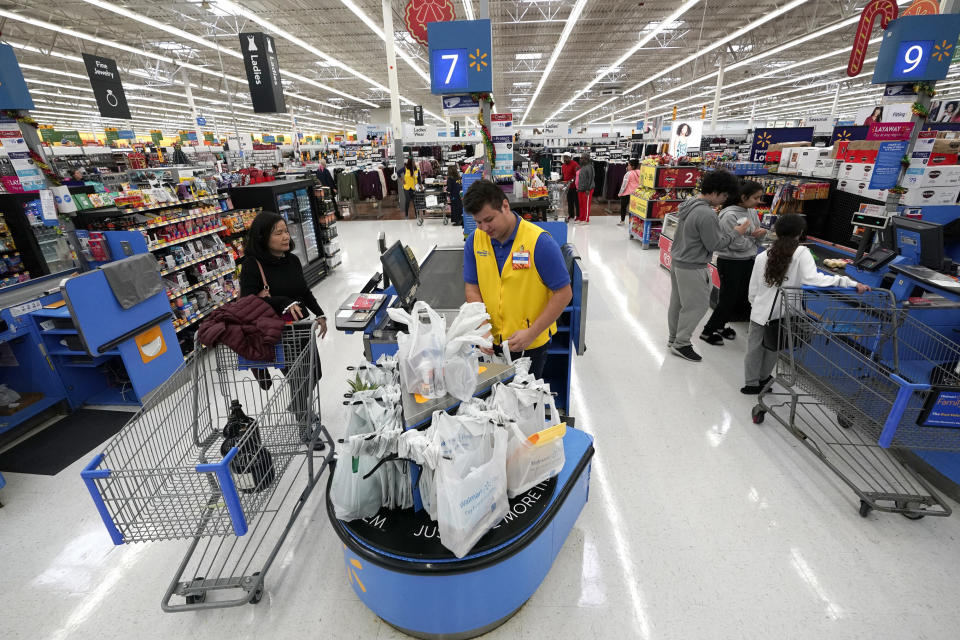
(700, 524)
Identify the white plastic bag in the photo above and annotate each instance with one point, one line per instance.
(529, 461)
(372, 415)
(471, 480)
(420, 351)
(461, 359)
(420, 447)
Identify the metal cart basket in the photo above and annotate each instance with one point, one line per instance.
(219, 454)
(558, 200)
(863, 380)
(431, 204)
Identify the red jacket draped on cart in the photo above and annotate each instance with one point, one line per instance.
(249, 326)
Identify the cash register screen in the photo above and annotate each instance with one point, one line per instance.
(397, 267)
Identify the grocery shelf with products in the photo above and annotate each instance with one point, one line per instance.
(327, 228)
(663, 187)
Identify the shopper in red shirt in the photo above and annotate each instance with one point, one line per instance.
(568, 173)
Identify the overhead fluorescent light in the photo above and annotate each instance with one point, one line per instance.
(689, 4)
(567, 29)
(669, 25)
(468, 8)
(522, 84)
(529, 56)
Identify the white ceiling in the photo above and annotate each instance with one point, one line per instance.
(782, 59)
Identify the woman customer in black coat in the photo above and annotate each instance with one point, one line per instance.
(270, 270)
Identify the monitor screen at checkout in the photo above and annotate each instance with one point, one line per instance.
(920, 242)
(397, 267)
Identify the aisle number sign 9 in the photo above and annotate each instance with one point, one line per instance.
(460, 57)
(917, 48)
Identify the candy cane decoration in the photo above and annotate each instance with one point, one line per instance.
(887, 10)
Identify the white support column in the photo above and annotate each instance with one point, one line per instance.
(836, 103)
(395, 122)
(193, 107)
(296, 137)
(716, 97)
(753, 110)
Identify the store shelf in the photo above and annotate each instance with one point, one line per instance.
(166, 205)
(646, 219)
(60, 332)
(203, 315)
(31, 410)
(189, 263)
(68, 352)
(171, 243)
(210, 278)
(166, 223)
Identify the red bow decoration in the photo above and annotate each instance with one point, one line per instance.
(420, 12)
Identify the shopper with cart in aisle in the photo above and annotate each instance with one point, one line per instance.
(271, 271)
(735, 263)
(631, 182)
(568, 173)
(517, 270)
(698, 235)
(411, 184)
(785, 264)
(585, 184)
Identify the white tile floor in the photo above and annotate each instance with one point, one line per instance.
(700, 524)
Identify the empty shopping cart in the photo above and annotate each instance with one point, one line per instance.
(223, 454)
(864, 380)
(558, 200)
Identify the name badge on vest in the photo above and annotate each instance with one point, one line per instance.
(521, 259)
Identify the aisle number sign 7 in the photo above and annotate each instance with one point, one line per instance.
(449, 69)
(460, 57)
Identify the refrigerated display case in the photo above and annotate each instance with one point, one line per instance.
(29, 249)
(295, 201)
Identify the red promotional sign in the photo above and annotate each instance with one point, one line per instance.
(419, 12)
(923, 8)
(887, 12)
(890, 131)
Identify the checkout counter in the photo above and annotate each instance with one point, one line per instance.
(68, 340)
(398, 552)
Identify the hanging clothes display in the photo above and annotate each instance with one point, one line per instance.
(347, 188)
(615, 173)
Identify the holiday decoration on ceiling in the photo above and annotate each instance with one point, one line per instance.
(886, 10)
(923, 8)
(420, 12)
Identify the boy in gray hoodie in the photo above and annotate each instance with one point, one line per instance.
(698, 235)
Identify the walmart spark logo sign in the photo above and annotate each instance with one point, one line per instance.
(460, 57)
(477, 60)
(917, 48)
(764, 137)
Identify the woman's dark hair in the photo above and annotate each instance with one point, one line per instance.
(877, 111)
(747, 189)
(682, 126)
(720, 181)
(789, 230)
(258, 236)
(452, 172)
(409, 165)
(634, 163)
(480, 193)
(952, 103)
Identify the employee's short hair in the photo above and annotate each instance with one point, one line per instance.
(720, 181)
(480, 193)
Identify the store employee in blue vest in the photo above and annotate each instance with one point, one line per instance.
(517, 270)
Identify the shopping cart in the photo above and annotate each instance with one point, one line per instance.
(223, 454)
(431, 204)
(558, 200)
(865, 381)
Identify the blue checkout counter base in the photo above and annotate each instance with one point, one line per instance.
(433, 597)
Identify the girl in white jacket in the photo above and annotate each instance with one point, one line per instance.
(784, 264)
